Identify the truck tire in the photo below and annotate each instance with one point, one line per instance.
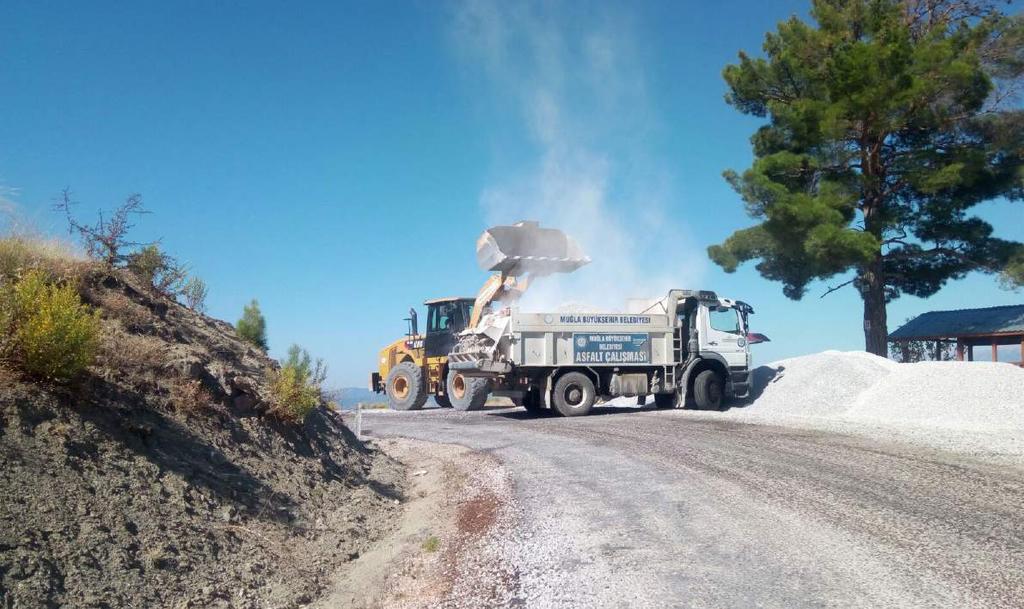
(666, 400)
(405, 387)
(574, 394)
(708, 390)
(467, 392)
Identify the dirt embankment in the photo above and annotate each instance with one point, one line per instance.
(449, 549)
(160, 479)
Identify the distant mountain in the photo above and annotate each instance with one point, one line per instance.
(348, 397)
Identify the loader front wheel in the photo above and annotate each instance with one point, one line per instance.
(708, 391)
(405, 387)
(467, 392)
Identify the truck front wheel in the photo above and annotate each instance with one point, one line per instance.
(574, 394)
(467, 392)
(708, 391)
(405, 387)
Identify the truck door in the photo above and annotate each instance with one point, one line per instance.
(722, 332)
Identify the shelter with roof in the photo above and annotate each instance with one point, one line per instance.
(989, 327)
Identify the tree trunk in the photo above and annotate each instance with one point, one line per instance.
(876, 325)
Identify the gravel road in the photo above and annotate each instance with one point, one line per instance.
(644, 508)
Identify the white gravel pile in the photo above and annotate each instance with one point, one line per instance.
(970, 407)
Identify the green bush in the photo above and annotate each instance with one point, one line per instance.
(253, 326)
(297, 386)
(158, 269)
(49, 332)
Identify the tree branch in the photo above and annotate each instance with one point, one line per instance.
(838, 287)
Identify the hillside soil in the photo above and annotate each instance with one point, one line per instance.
(162, 477)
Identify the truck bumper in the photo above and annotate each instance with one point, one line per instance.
(739, 384)
(479, 367)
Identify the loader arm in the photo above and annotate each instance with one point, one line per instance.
(497, 288)
(519, 253)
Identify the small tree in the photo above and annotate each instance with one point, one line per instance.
(107, 239)
(252, 327)
(298, 385)
(194, 293)
(161, 271)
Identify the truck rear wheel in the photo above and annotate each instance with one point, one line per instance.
(405, 387)
(574, 394)
(467, 392)
(708, 390)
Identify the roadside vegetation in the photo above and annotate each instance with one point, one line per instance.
(61, 320)
(252, 326)
(298, 386)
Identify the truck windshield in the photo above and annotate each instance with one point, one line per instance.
(724, 320)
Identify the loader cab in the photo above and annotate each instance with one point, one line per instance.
(446, 317)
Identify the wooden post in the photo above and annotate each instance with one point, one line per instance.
(960, 350)
(995, 350)
(970, 353)
(1022, 351)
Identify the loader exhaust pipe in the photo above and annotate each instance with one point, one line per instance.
(525, 247)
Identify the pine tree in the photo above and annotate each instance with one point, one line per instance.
(888, 120)
(252, 327)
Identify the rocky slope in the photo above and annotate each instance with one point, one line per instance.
(160, 478)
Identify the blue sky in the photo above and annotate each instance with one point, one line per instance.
(337, 161)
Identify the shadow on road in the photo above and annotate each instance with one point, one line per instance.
(599, 410)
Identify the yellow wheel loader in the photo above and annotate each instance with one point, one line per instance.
(414, 367)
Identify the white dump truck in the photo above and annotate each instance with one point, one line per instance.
(690, 343)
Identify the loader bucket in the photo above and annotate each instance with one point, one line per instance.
(525, 247)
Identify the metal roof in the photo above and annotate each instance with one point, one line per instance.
(446, 299)
(1007, 319)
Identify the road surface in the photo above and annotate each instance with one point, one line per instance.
(647, 508)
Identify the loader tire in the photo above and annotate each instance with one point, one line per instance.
(666, 400)
(708, 390)
(405, 387)
(467, 392)
(574, 394)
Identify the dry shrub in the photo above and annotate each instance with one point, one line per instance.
(21, 253)
(190, 395)
(120, 350)
(133, 315)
